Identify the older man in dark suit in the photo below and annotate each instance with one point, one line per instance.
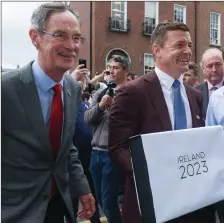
(39, 108)
(155, 102)
(212, 67)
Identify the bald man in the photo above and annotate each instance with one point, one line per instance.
(213, 70)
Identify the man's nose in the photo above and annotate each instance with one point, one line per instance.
(213, 67)
(69, 44)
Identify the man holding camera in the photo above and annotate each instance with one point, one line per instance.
(106, 176)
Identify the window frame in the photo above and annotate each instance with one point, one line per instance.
(184, 12)
(218, 30)
(125, 9)
(148, 70)
(147, 18)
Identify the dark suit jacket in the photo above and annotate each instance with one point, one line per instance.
(27, 162)
(205, 95)
(139, 108)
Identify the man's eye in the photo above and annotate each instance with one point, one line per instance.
(180, 45)
(76, 38)
(59, 35)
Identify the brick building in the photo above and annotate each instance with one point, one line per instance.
(124, 28)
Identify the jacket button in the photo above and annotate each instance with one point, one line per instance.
(46, 197)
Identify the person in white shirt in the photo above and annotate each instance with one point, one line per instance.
(215, 116)
(215, 111)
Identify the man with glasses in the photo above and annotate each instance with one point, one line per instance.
(106, 176)
(40, 168)
(212, 67)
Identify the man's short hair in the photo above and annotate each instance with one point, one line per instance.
(208, 50)
(193, 66)
(125, 63)
(159, 33)
(42, 13)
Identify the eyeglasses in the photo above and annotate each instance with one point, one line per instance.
(62, 37)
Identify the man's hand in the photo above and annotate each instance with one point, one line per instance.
(79, 73)
(105, 102)
(88, 206)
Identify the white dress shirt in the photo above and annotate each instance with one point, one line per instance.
(215, 111)
(210, 87)
(166, 82)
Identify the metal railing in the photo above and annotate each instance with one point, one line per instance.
(148, 26)
(119, 25)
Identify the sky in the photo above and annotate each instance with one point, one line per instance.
(17, 48)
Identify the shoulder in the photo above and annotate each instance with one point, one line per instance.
(13, 77)
(217, 95)
(138, 87)
(71, 81)
(201, 86)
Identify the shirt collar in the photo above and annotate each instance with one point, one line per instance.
(217, 85)
(166, 79)
(42, 79)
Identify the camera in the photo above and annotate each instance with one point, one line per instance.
(107, 73)
(111, 84)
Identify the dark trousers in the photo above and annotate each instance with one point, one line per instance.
(106, 179)
(96, 217)
(84, 157)
(220, 211)
(56, 210)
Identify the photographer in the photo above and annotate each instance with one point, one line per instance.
(105, 174)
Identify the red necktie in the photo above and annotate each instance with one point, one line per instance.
(55, 126)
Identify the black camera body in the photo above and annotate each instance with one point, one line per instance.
(91, 88)
(111, 84)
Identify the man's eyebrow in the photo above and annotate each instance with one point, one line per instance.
(77, 33)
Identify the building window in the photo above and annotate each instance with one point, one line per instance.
(149, 63)
(119, 15)
(151, 17)
(215, 28)
(68, 3)
(180, 13)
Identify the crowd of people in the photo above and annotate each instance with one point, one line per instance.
(65, 138)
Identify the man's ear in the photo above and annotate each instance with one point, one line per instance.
(35, 38)
(156, 50)
(126, 71)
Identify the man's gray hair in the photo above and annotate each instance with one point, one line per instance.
(125, 63)
(207, 51)
(42, 13)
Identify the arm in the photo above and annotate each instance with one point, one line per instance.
(78, 181)
(97, 78)
(210, 117)
(94, 114)
(123, 123)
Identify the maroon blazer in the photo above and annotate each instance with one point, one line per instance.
(139, 107)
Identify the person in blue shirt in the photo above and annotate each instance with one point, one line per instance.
(82, 141)
(215, 116)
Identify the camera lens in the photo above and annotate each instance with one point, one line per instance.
(107, 72)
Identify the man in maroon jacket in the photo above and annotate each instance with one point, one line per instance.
(147, 105)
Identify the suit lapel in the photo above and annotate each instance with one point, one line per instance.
(193, 105)
(67, 117)
(157, 97)
(205, 96)
(30, 100)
